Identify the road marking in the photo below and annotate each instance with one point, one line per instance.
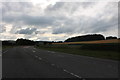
(48, 51)
(33, 51)
(40, 58)
(53, 64)
(5, 51)
(63, 69)
(52, 52)
(72, 73)
(36, 56)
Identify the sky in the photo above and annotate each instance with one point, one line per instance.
(57, 21)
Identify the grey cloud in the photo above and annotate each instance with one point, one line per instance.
(68, 27)
(43, 39)
(26, 31)
(15, 28)
(67, 7)
(15, 7)
(2, 28)
(60, 17)
(29, 36)
(38, 20)
(85, 24)
(20, 13)
(5, 37)
(40, 32)
(30, 20)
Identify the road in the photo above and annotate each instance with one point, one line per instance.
(29, 62)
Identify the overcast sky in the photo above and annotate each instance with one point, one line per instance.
(54, 21)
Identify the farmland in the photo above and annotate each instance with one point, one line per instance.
(107, 49)
(92, 42)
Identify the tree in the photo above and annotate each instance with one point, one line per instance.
(90, 37)
(24, 42)
(111, 37)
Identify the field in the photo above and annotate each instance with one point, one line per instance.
(92, 42)
(107, 49)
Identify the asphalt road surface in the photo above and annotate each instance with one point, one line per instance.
(29, 62)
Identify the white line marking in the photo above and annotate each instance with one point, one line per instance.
(52, 52)
(56, 54)
(53, 64)
(5, 51)
(33, 51)
(40, 58)
(65, 70)
(48, 51)
(36, 56)
(72, 73)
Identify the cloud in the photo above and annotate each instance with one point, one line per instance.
(2, 28)
(30, 20)
(69, 18)
(27, 31)
(90, 19)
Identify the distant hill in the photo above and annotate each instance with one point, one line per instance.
(90, 37)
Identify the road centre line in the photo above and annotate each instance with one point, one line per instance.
(48, 51)
(34, 51)
(36, 56)
(63, 69)
(53, 64)
(40, 58)
(52, 52)
(72, 73)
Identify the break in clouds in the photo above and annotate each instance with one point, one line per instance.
(57, 21)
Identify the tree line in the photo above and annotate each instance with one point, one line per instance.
(90, 37)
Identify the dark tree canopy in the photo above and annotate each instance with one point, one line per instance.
(90, 37)
(24, 42)
(111, 37)
(8, 43)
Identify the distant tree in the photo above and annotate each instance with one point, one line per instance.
(47, 42)
(90, 37)
(8, 43)
(59, 41)
(111, 37)
(24, 42)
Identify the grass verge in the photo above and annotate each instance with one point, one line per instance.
(6, 47)
(92, 53)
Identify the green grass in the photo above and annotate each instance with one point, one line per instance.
(77, 51)
(6, 47)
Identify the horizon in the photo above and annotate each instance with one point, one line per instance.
(64, 40)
